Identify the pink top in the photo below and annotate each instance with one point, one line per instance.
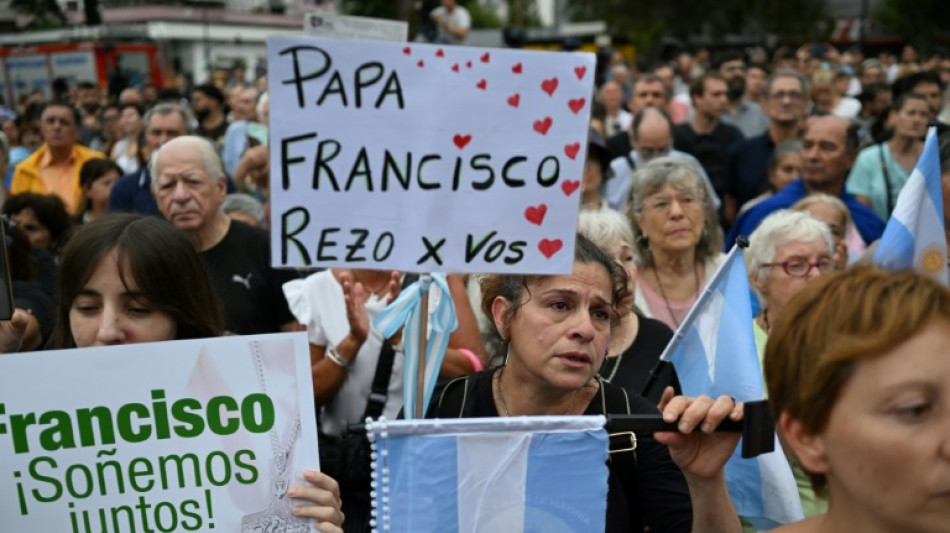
(658, 309)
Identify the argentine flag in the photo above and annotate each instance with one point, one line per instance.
(514, 475)
(915, 236)
(714, 353)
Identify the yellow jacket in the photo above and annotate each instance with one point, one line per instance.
(26, 176)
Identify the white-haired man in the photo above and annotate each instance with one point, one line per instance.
(189, 186)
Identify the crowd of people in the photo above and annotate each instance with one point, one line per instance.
(142, 216)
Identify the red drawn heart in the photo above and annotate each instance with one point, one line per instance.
(535, 215)
(482, 84)
(468, 64)
(461, 140)
(439, 53)
(514, 99)
(455, 67)
(576, 104)
(549, 248)
(516, 69)
(549, 86)
(407, 50)
(570, 186)
(542, 126)
(421, 63)
(485, 58)
(580, 71)
(572, 149)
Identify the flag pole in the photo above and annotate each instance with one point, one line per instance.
(664, 361)
(423, 345)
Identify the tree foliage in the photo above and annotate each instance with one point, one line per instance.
(45, 13)
(646, 22)
(923, 23)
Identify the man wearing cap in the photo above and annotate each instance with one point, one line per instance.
(207, 101)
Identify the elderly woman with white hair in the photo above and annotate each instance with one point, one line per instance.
(785, 252)
(676, 238)
(636, 342)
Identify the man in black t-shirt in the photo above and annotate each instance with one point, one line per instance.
(706, 137)
(189, 185)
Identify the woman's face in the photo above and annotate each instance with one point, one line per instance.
(886, 448)
(37, 232)
(98, 191)
(622, 252)
(559, 334)
(106, 312)
(787, 170)
(130, 121)
(778, 286)
(672, 218)
(911, 120)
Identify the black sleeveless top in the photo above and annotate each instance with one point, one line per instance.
(646, 490)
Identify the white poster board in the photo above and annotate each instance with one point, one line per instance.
(358, 28)
(426, 158)
(199, 435)
(28, 72)
(74, 67)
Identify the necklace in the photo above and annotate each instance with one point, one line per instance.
(501, 399)
(613, 371)
(663, 293)
(365, 286)
(278, 516)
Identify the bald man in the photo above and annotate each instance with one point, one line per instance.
(830, 146)
(652, 136)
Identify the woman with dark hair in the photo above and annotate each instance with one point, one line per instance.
(881, 170)
(555, 331)
(96, 178)
(43, 217)
(145, 261)
(130, 278)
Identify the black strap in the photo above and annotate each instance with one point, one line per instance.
(887, 179)
(384, 370)
(630, 163)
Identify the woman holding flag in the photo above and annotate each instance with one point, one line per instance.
(556, 330)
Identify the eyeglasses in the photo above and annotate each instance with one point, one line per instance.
(646, 154)
(791, 95)
(799, 268)
(686, 200)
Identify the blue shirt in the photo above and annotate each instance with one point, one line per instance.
(747, 165)
(869, 225)
(132, 193)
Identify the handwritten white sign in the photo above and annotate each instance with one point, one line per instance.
(426, 158)
(199, 435)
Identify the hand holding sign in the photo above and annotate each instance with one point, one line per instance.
(396, 157)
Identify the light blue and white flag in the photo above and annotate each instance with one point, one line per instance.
(512, 474)
(714, 353)
(406, 312)
(915, 236)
